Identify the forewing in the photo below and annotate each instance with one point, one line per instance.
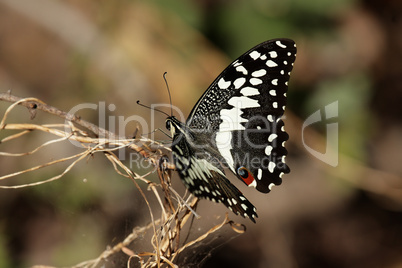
(242, 110)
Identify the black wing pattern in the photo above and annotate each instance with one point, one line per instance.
(237, 123)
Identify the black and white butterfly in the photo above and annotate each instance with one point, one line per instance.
(237, 124)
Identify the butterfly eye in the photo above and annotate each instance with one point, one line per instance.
(168, 124)
(246, 176)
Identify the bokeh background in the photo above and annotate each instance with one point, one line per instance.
(71, 52)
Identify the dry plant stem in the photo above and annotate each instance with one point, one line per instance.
(34, 150)
(34, 104)
(165, 188)
(164, 249)
(165, 182)
(176, 211)
(202, 237)
(119, 247)
(15, 136)
(80, 157)
(133, 177)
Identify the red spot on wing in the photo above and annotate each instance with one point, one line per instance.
(245, 175)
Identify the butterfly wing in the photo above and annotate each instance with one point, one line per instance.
(203, 175)
(241, 111)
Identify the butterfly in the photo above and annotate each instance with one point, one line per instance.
(236, 124)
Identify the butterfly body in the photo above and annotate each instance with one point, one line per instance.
(237, 125)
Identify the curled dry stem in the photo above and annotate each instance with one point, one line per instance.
(176, 210)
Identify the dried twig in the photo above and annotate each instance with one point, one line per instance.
(176, 210)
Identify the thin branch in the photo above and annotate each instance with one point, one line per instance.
(165, 242)
(34, 104)
(80, 157)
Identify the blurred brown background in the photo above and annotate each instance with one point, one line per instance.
(71, 52)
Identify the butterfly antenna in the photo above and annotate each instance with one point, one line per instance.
(143, 105)
(170, 97)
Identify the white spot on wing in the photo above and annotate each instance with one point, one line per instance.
(243, 102)
(273, 54)
(272, 92)
(179, 165)
(223, 140)
(201, 168)
(275, 104)
(241, 69)
(249, 91)
(259, 174)
(253, 184)
(272, 137)
(271, 167)
(270, 186)
(178, 149)
(239, 82)
(274, 82)
(255, 81)
(259, 73)
(231, 120)
(270, 118)
(279, 44)
(271, 63)
(222, 84)
(255, 55)
(268, 150)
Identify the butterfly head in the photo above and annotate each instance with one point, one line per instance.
(173, 125)
(168, 123)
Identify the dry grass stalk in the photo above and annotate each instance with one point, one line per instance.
(177, 211)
